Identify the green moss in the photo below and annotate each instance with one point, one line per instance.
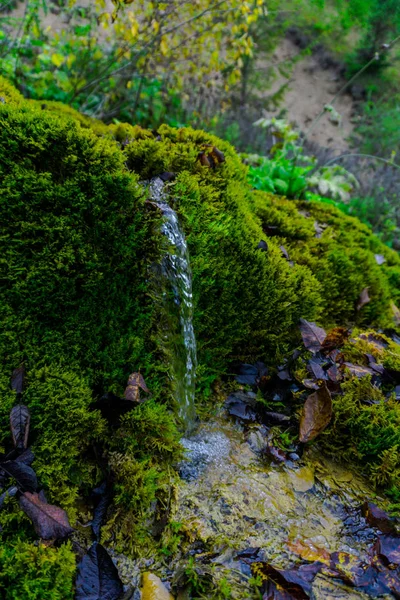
(8, 93)
(366, 430)
(342, 258)
(36, 572)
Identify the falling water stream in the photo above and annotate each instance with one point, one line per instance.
(176, 271)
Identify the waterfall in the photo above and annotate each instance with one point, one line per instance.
(176, 271)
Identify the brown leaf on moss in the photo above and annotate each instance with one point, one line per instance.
(217, 155)
(50, 522)
(395, 313)
(135, 383)
(19, 423)
(363, 299)
(203, 158)
(358, 370)
(313, 336)
(317, 413)
(336, 338)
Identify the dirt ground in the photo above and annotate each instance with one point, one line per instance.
(310, 88)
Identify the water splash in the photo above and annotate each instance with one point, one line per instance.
(177, 273)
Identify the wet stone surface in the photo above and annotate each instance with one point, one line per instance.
(232, 501)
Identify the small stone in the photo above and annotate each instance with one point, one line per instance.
(293, 456)
(153, 588)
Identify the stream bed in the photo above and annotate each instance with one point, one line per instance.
(234, 506)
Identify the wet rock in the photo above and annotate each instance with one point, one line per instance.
(153, 588)
(256, 438)
(378, 518)
(303, 479)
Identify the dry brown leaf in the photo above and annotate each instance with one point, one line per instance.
(313, 336)
(308, 551)
(317, 413)
(135, 383)
(363, 299)
(50, 522)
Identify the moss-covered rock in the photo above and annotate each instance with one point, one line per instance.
(80, 307)
(340, 252)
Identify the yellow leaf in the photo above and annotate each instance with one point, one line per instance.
(156, 25)
(57, 59)
(70, 60)
(135, 29)
(129, 85)
(164, 46)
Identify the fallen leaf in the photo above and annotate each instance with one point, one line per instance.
(375, 339)
(26, 457)
(217, 155)
(363, 299)
(135, 382)
(241, 405)
(314, 366)
(310, 384)
(388, 548)
(317, 413)
(101, 500)
(296, 581)
(19, 422)
(203, 158)
(50, 522)
(313, 336)
(274, 418)
(285, 253)
(23, 474)
(97, 577)
(262, 246)
(309, 552)
(336, 338)
(376, 517)
(17, 379)
(396, 313)
(358, 370)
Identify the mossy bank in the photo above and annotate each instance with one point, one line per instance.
(79, 303)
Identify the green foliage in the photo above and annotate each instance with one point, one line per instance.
(64, 431)
(340, 255)
(366, 430)
(36, 572)
(289, 172)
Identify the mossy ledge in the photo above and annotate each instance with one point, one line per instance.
(79, 306)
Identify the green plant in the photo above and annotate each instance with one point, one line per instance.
(36, 572)
(289, 172)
